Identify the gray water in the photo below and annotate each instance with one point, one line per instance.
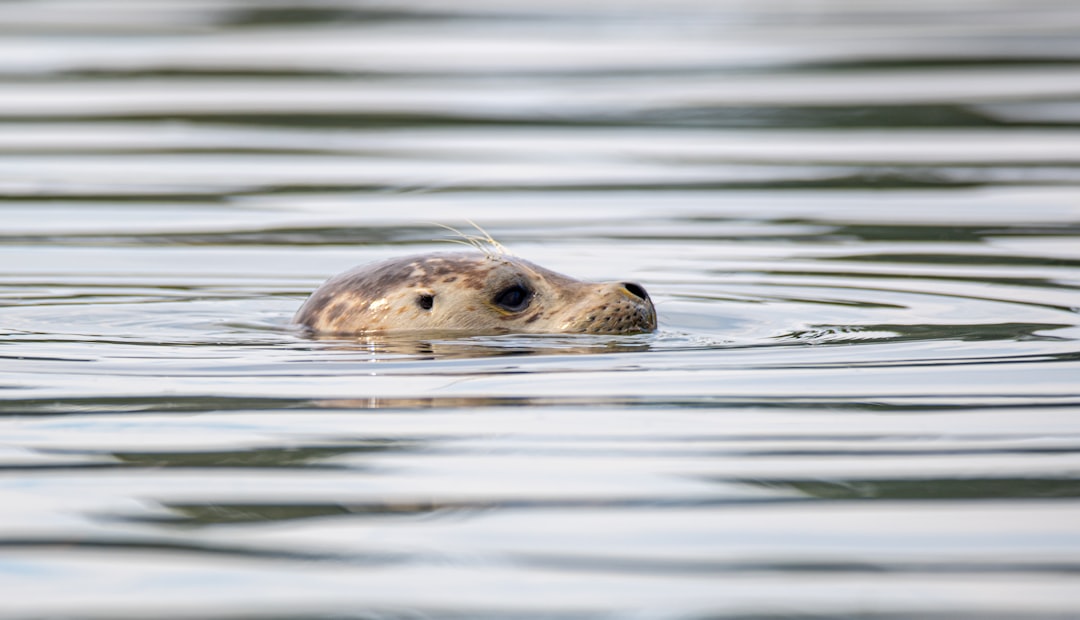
(860, 223)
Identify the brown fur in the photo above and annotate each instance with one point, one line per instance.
(463, 286)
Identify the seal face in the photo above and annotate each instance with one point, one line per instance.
(475, 294)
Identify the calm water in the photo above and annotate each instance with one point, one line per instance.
(860, 222)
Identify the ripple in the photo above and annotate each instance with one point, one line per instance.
(859, 226)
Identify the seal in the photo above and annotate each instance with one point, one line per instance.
(472, 293)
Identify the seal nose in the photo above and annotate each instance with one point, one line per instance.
(636, 290)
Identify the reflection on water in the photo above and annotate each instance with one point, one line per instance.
(859, 223)
(433, 346)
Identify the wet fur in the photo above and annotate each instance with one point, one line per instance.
(383, 297)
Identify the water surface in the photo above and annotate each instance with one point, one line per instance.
(860, 223)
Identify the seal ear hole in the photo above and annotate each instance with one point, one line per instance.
(425, 301)
(514, 298)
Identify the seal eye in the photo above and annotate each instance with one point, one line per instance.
(425, 301)
(513, 298)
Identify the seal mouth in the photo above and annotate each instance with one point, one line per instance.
(646, 317)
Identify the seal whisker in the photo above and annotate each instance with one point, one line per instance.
(489, 239)
(486, 244)
(471, 243)
(468, 240)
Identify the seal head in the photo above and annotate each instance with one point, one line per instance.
(474, 294)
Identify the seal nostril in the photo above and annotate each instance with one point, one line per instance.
(635, 290)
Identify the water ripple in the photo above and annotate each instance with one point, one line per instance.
(860, 226)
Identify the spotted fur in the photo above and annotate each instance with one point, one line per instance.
(461, 291)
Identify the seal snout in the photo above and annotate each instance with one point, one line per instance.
(634, 312)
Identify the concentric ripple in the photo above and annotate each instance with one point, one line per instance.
(860, 226)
